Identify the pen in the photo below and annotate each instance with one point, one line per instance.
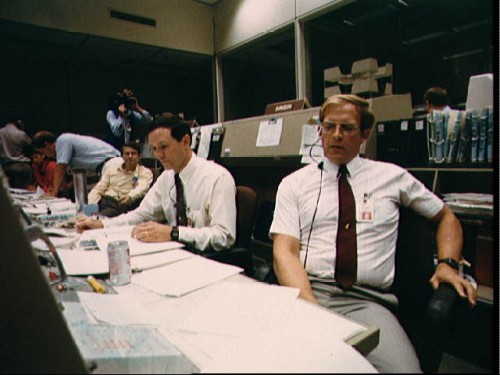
(96, 285)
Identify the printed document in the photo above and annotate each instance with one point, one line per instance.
(179, 278)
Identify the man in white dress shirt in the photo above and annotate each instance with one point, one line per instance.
(209, 195)
(304, 231)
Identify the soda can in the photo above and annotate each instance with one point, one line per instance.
(120, 272)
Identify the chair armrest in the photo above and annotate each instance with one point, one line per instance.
(441, 303)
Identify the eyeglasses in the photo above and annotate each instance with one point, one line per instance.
(329, 127)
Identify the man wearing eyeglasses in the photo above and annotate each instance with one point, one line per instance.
(308, 240)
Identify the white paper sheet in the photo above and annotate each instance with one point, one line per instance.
(82, 262)
(115, 309)
(310, 142)
(321, 319)
(182, 277)
(149, 261)
(235, 309)
(206, 136)
(293, 351)
(270, 132)
(123, 233)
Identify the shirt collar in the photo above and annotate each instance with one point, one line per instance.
(353, 166)
(122, 168)
(186, 173)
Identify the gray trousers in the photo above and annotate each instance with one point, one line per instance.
(395, 352)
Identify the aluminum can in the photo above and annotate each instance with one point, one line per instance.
(120, 272)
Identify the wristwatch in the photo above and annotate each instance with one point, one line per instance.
(174, 234)
(450, 261)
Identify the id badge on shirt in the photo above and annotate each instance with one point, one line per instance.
(366, 211)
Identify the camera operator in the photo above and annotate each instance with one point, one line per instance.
(124, 115)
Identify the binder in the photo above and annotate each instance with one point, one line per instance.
(489, 135)
(418, 147)
(474, 138)
(483, 125)
(439, 136)
(431, 137)
(446, 138)
(456, 125)
(393, 142)
(216, 139)
(464, 151)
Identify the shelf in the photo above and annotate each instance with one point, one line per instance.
(451, 169)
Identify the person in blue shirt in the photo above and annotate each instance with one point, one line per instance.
(123, 117)
(74, 150)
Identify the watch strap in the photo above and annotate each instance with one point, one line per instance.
(174, 234)
(451, 262)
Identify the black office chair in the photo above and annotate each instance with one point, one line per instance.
(240, 255)
(423, 312)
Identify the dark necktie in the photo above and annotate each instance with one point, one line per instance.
(346, 263)
(180, 205)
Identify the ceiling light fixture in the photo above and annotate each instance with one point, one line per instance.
(425, 37)
(463, 54)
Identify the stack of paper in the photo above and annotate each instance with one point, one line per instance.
(187, 275)
(470, 202)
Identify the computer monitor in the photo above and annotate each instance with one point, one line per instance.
(480, 91)
(34, 337)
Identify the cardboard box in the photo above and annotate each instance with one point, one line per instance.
(332, 74)
(332, 90)
(362, 85)
(392, 107)
(383, 71)
(364, 67)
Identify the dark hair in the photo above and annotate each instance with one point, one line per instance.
(436, 96)
(32, 151)
(14, 118)
(178, 127)
(367, 118)
(134, 145)
(43, 136)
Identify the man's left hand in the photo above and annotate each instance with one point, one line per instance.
(445, 273)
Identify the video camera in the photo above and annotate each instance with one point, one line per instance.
(128, 101)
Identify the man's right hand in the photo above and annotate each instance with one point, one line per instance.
(84, 223)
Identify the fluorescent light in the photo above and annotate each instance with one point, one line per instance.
(425, 37)
(462, 54)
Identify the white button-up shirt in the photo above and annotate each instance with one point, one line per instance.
(210, 195)
(381, 186)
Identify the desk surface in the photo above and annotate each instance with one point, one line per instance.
(248, 353)
(306, 337)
